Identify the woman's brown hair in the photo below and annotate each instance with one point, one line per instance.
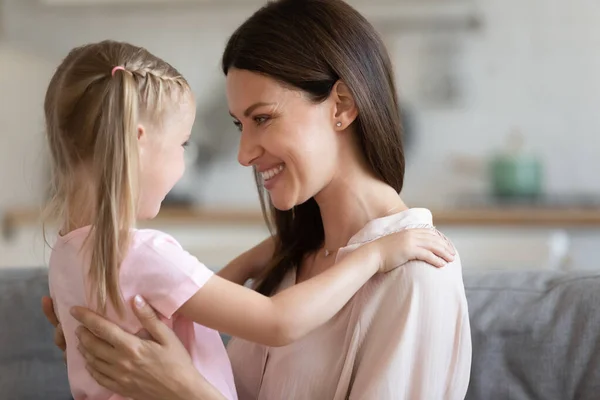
(309, 45)
(92, 111)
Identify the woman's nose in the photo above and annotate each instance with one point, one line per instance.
(249, 149)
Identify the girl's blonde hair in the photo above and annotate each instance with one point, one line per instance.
(92, 111)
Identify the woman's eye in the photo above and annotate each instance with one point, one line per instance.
(238, 125)
(186, 143)
(261, 119)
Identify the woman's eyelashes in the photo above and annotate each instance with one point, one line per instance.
(258, 121)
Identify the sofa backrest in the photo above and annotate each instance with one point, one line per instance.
(31, 368)
(536, 335)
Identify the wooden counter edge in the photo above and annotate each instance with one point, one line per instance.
(520, 217)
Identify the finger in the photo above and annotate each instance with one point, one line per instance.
(435, 243)
(94, 346)
(104, 380)
(143, 334)
(450, 247)
(439, 249)
(448, 242)
(48, 308)
(430, 258)
(98, 364)
(104, 329)
(59, 338)
(149, 320)
(427, 235)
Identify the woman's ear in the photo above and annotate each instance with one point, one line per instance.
(345, 110)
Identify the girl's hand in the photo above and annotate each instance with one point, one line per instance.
(150, 369)
(407, 245)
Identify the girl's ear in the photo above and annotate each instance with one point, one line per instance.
(141, 131)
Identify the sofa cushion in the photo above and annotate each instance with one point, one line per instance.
(536, 335)
(30, 366)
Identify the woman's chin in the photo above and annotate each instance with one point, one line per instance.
(281, 203)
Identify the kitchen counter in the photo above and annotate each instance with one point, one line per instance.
(489, 237)
(478, 216)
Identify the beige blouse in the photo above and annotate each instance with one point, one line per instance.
(404, 335)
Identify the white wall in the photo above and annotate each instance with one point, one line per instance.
(36, 38)
(23, 76)
(534, 65)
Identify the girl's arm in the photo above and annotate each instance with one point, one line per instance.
(296, 311)
(249, 264)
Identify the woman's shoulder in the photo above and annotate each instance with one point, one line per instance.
(424, 276)
(415, 280)
(415, 290)
(427, 277)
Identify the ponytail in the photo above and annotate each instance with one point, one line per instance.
(116, 163)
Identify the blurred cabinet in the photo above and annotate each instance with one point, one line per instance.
(512, 248)
(485, 241)
(413, 14)
(150, 2)
(480, 247)
(216, 245)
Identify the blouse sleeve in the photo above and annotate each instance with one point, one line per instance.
(417, 344)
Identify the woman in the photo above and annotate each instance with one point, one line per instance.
(310, 86)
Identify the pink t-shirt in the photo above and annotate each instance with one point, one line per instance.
(157, 268)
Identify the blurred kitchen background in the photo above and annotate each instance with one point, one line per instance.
(501, 102)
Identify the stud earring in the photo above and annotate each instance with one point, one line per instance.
(338, 124)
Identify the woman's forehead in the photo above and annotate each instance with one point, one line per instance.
(245, 88)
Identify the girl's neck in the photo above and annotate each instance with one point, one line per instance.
(80, 209)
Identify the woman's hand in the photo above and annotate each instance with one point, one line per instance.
(59, 337)
(407, 245)
(156, 368)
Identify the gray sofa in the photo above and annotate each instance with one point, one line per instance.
(536, 336)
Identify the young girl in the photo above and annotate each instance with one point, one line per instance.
(118, 119)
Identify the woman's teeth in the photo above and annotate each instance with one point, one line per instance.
(271, 173)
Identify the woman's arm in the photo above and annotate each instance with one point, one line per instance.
(249, 264)
(296, 311)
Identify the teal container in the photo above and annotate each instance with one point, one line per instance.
(516, 176)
